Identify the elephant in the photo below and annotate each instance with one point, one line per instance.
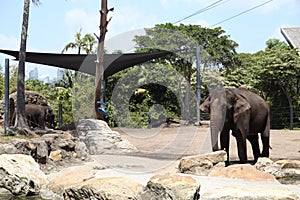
(244, 113)
(38, 116)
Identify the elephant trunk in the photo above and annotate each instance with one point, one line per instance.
(217, 120)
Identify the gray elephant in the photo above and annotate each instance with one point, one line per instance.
(244, 113)
(38, 116)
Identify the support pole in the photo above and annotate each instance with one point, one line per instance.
(198, 84)
(6, 117)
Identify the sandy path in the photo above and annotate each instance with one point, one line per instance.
(171, 143)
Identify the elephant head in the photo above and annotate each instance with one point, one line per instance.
(226, 109)
(216, 105)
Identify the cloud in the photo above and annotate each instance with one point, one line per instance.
(129, 18)
(165, 3)
(7, 42)
(79, 18)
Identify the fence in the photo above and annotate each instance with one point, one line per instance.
(280, 117)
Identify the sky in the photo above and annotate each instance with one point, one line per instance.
(54, 23)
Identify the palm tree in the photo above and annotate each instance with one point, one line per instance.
(21, 122)
(85, 43)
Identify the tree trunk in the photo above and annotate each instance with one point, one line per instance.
(290, 100)
(100, 58)
(291, 113)
(21, 122)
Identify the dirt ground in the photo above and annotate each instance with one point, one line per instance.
(173, 143)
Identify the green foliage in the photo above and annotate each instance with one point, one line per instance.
(83, 99)
(135, 92)
(85, 43)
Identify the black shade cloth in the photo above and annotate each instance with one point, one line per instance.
(113, 63)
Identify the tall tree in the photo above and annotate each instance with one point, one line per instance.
(183, 39)
(280, 71)
(21, 122)
(85, 43)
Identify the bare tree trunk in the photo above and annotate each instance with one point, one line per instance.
(21, 122)
(290, 100)
(100, 58)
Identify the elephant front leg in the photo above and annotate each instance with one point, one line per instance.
(242, 148)
(253, 139)
(225, 139)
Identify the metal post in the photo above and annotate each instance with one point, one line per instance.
(60, 114)
(198, 83)
(6, 117)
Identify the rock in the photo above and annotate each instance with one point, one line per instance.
(268, 166)
(20, 174)
(286, 171)
(52, 151)
(290, 171)
(55, 155)
(202, 164)
(99, 138)
(70, 176)
(249, 193)
(289, 164)
(105, 189)
(40, 152)
(81, 151)
(243, 171)
(168, 187)
(8, 149)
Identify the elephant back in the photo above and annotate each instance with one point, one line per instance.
(31, 97)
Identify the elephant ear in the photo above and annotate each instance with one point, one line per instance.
(241, 109)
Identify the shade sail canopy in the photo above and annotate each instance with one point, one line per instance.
(113, 63)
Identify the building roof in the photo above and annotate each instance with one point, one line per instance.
(292, 36)
(85, 63)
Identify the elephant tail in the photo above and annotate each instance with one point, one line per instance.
(266, 132)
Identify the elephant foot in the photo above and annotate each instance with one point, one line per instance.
(243, 161)
(227, 163)
(264, 154)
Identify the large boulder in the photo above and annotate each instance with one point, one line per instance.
(99, 138)
(171, 186)
(249, 193)
(243, 171)
(202, 164)
(104, 188)
(20, 174)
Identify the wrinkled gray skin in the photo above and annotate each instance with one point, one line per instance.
(38, 116)
(244, 113)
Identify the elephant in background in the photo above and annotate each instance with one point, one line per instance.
(244, 113)
(38, 116)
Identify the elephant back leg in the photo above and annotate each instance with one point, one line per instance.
(266, 146)
(253, 139)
